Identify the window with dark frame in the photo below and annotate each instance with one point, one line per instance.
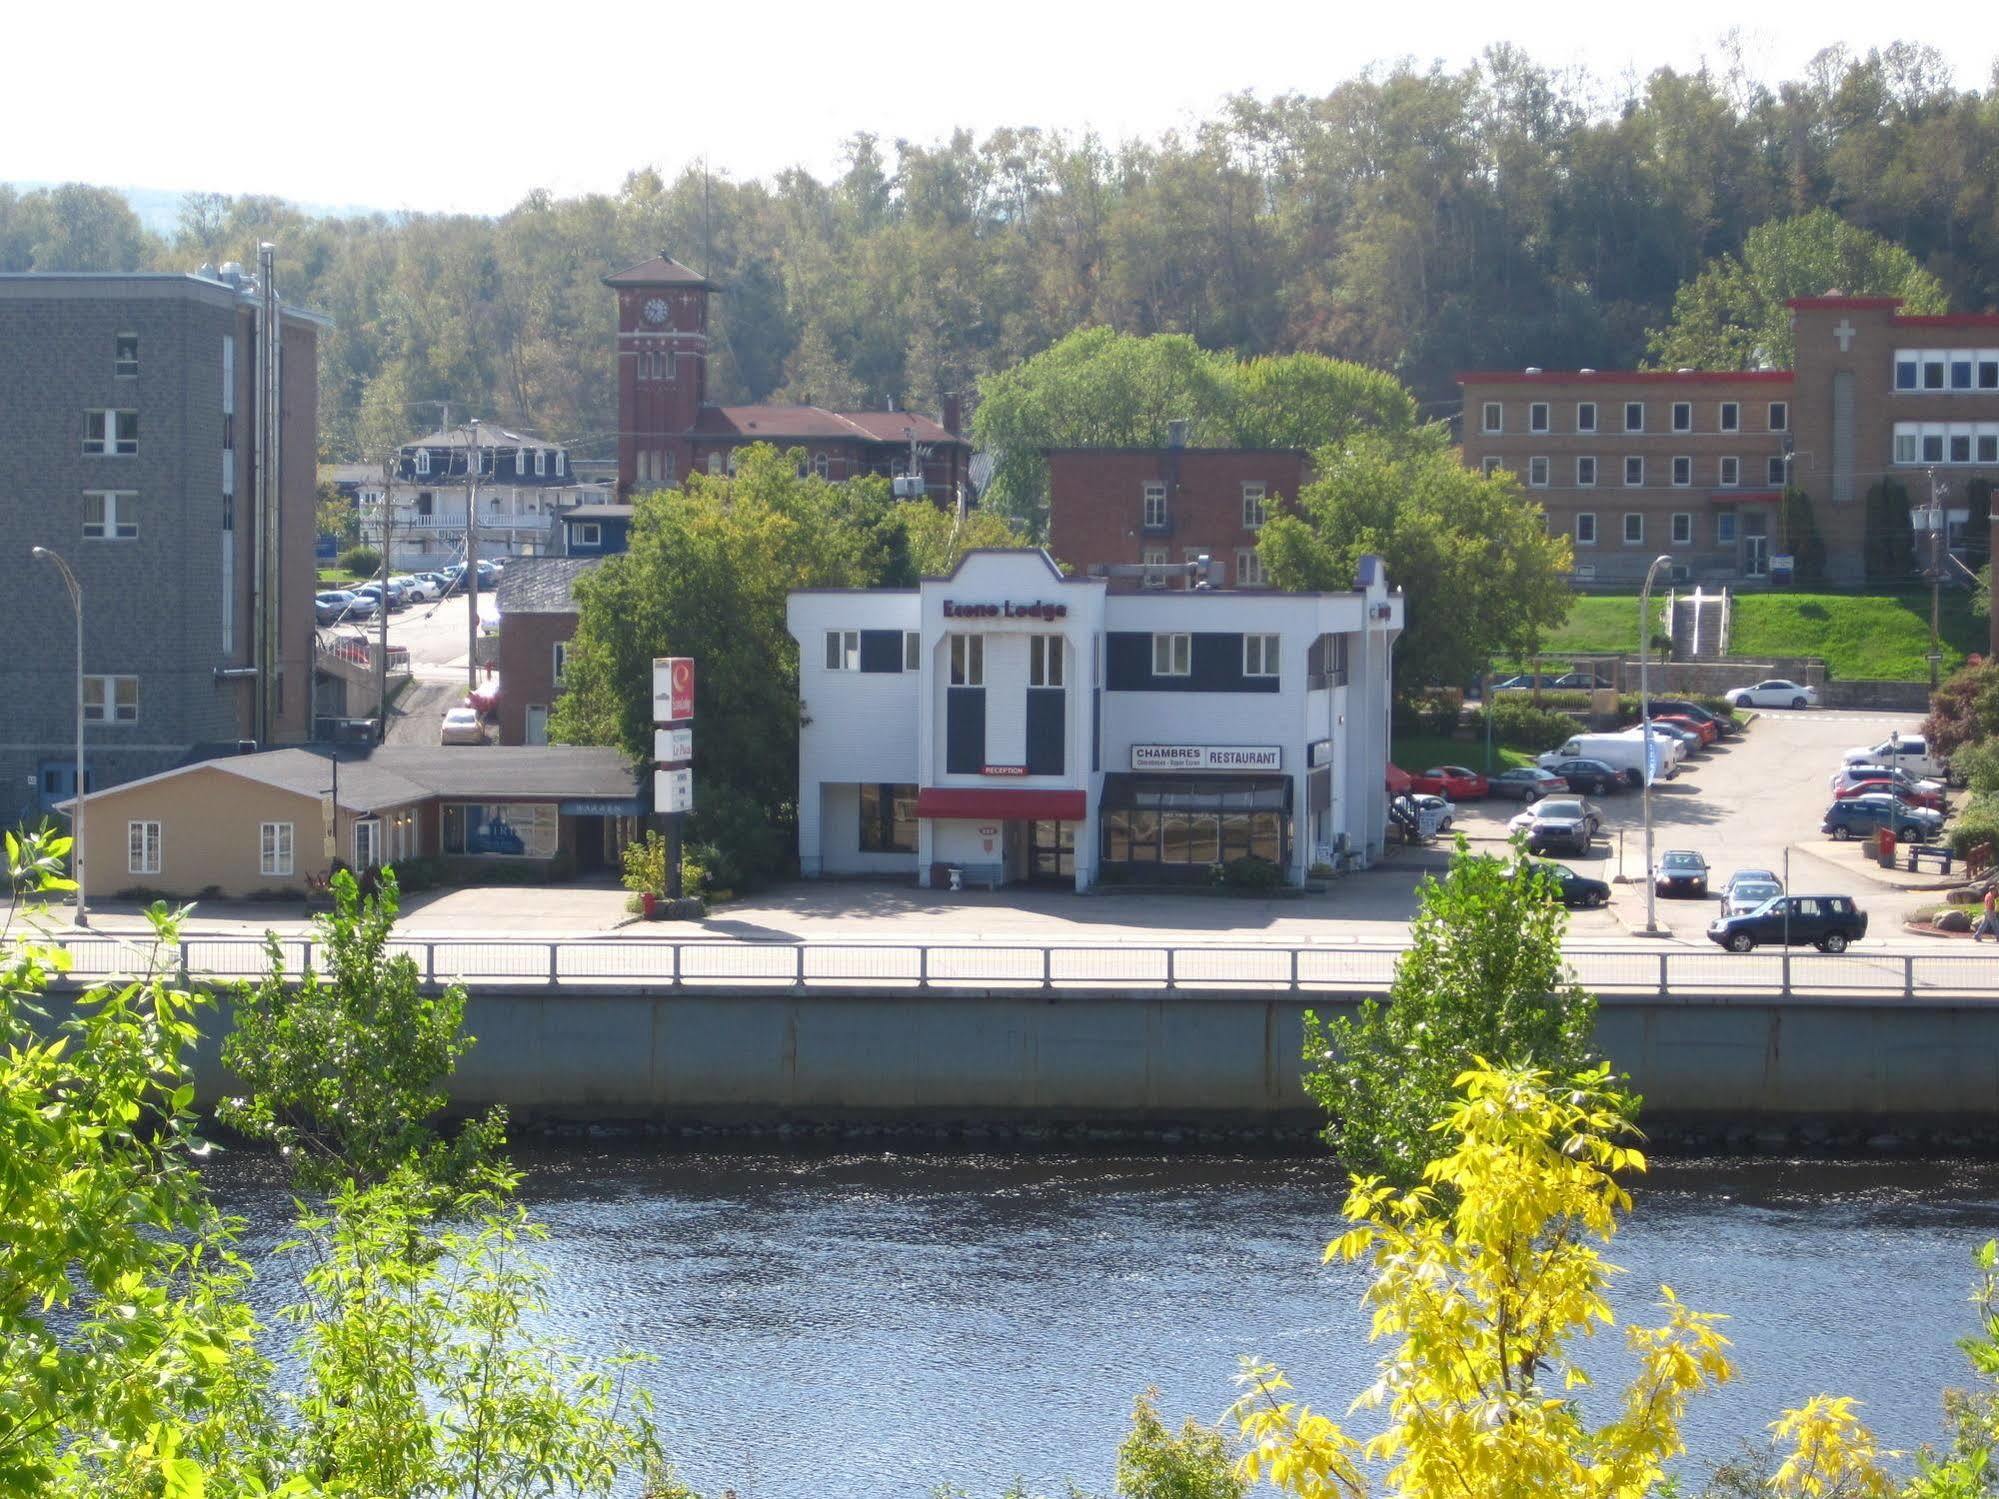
(1044, 661)
(1172, 655)
(1585, 416)
(843, 650)
(1683, 416)
(1537, 416)
(125, 363)
(1585, 473)
(1780, 416)
(968, 660)
(1586, 529)
(1634, 416)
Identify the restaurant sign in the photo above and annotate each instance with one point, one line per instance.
(1206, 757)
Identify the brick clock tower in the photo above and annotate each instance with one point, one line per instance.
(662, 369)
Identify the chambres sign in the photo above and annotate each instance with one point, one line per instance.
(1005, 609)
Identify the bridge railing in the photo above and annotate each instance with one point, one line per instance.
(1249, 968)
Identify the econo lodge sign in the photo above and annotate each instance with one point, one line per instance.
(672, 689)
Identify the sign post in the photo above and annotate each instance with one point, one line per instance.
(673, 754)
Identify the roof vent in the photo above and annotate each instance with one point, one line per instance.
(1533, 369)
(1586, 370)
(1685, 369)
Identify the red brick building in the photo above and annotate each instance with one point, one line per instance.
(1692, 464)
(667, 428)
(536, 598)
(1170, 505)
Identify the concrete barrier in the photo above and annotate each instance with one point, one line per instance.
(1155, 1059)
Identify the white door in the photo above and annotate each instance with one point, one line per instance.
(537, 723)
(367, 843)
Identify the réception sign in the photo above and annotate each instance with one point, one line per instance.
(1206, 757)
(1005, 609)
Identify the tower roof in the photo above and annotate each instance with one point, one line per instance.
(661, 270)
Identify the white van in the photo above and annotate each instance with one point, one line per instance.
(1623, 751)
(1911, 752)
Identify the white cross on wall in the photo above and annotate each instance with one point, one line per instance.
(1844, 333)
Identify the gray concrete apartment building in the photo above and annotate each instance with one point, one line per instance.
(128, 407)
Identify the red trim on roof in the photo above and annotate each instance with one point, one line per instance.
(1624, 377)
(1739, 496)
(1836, 304)
(1947, 320)
(966, 802)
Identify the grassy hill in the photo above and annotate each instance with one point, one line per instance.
(1875, 636)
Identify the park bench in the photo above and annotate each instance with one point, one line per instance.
(1936, 854)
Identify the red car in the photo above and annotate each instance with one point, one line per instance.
(1452, 781)
(1908, 794)
(1708, 732)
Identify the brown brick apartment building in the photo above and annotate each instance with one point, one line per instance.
(668, 428)
(1168, 505)
(1692, 463)
(536, 598)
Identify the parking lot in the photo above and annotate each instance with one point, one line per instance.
(1743, 804)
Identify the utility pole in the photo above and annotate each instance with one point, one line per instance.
(472, 564)
(1932, 521)
(382, 613)
(1647, 749)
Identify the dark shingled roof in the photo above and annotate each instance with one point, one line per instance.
(541, 585)
(806, 423)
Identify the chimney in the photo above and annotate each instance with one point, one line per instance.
(1176, 433)
(952, 416)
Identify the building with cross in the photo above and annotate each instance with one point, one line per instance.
(1693, 464)
(668, 428)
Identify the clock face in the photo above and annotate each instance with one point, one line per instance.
(656, 310)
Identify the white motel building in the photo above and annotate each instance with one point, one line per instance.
(1010, 724)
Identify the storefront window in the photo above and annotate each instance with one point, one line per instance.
(888, 819)
(508, 830)
(1185, 825)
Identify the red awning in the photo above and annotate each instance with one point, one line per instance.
(999, 805)
(1398, 780)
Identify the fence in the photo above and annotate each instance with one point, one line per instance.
(866, 967)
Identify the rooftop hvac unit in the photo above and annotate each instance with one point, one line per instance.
(908, 487)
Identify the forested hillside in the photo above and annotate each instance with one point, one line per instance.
(1419, 221)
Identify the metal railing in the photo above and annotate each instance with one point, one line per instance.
(647, 963)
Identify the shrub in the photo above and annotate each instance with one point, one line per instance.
(1977, 823)
(731, 837)
(645, 868)
(361, 561)
(1249, 873)
(1518, 724)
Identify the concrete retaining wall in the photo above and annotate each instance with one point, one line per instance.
(1152, 1058)
(1876, 697)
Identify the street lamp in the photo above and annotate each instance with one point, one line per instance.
(76, 818)
(1647, 748)
(1929, 519)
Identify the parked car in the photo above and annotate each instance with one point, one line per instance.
(1883, 785)
(1748, 889)
(461, 726)
(1706, 732)
(1858, 816)
(1591, 777)
(1853, 775)
(340, 606)
(418, 588)
(1525, 783)
(1777, 692)
(1624, 753)
(1690, 742)
(1724, 726)
(1527, 681)
(1576, 890)
(1567, 822)
(1827, 922)
(1580, 681)
(375, 590)
(1680, 871)
(1453, 781)
(1910, 752)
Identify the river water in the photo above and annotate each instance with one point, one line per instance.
(870, 1326)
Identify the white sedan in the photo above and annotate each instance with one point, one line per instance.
(1775, 693)
(462, 726)
(418, 589)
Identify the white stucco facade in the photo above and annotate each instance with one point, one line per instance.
(1014, 724)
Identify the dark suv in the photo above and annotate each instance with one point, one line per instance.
(1827, 922)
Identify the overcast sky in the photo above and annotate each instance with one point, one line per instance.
(421, 106)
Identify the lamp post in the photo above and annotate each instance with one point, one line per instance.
(1647, 748)
(1929, 519)
(76, 819)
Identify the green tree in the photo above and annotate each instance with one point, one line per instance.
(937, 537)
(1890, 545)
(1800, 533)
(1472, 552)
(344, 1065)
(336, 515)
(1156, 1462)
(1483, 977)
(707, 576)
(1732, 316)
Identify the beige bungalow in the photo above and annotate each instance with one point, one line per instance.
(248, 825)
